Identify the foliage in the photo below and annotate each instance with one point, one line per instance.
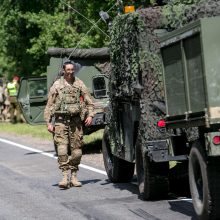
(15, 37)
(63, 35)
(28, 28)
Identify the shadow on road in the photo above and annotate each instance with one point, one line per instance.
(93, 181)
(131, 187)
(174, 200)
(84, 182)
(183, 207)
(92, 147)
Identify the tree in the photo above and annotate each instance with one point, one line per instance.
(15, 38)
(28, 28)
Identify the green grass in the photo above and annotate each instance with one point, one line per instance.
(96, 136)
(92, 141)
(39, 131)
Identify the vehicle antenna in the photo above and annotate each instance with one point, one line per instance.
(89, 31)
(94, 24)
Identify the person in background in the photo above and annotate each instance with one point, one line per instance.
(12, 89)
(2, 99)
(6, 114)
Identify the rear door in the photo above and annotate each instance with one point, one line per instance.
(32, 98)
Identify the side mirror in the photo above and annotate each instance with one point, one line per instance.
(99, 86)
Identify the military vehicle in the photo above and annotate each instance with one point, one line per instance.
(165, 104)
(163, 100)
(191, 76)
(33, 91)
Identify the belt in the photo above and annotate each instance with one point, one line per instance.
(64, 118)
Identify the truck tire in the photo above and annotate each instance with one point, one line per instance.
(179, 179)
(118, 170)
(204, 180)
(152, 177)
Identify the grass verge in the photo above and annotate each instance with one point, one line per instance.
(39, 131)
(92, 141)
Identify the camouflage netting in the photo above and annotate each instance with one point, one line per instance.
(178, 14)
(152, 81)
(124, 55)
(134, 49)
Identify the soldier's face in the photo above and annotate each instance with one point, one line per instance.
(69, 72)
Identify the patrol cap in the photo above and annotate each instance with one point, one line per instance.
(76, 65)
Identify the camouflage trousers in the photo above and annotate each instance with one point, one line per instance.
(69, 134)
(14, 107)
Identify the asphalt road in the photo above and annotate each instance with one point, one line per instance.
(29, 190)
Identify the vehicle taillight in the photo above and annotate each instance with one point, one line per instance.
(216, 140)
(161, 123)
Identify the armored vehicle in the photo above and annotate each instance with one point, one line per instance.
(165, 106)
(33, 91)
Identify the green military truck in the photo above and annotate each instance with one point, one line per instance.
(191, 79)
(94, 62)
(153, 119)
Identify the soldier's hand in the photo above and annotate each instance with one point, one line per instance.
(50, 128)
(88, 121)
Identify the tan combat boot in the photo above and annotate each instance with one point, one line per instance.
(74, 181)
(64, 184)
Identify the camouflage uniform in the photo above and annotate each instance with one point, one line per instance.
(2, 99)
(65, 103)
(13, 88)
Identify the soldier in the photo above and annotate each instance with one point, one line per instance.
(64, 103)
(6, 113)
(2, 99)
(12, 88)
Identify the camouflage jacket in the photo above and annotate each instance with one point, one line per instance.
(53, 97)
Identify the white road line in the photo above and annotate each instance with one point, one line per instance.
(81, 165)
(181, 199)
(48, 155)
